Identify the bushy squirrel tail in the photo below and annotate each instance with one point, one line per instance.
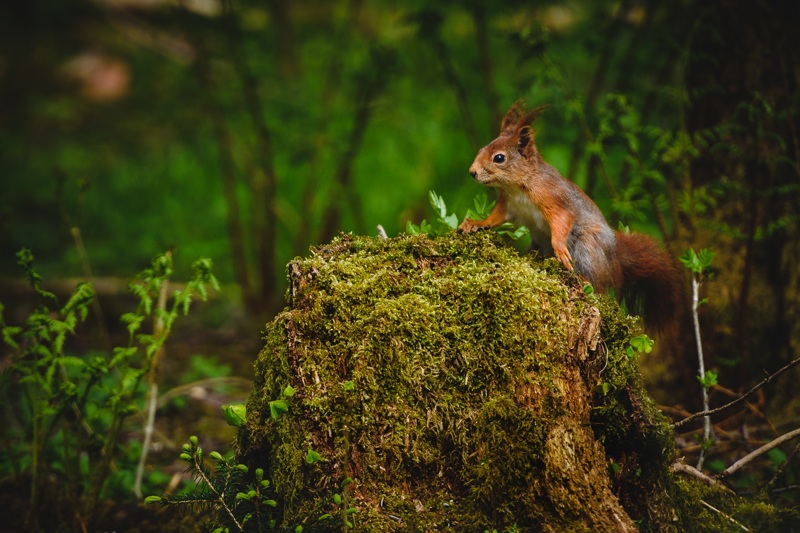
(651, 284)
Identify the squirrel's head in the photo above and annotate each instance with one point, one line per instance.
(504, 161)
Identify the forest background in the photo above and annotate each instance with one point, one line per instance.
(247, 131)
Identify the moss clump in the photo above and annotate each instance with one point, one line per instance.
(460, 387)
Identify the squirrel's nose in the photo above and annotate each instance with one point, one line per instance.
(473, 172)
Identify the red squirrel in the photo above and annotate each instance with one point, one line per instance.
(564, 222)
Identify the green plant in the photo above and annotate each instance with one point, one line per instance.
(51, 389)
(446, 222)
(244, 501)
(153, 286)
(700, 266)
(68, 410)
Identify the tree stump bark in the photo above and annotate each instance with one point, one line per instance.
(452, 385)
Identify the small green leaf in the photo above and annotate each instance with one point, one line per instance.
(288, 392)
(709, 380)
(215, 455)
(153, 499)
(777, 456)
(277, 408)
(642, 343)
(193, 440)
(312, 457)
(696, 262)
(349, 386)
(588, 289)
(337, 499)
(235, 414)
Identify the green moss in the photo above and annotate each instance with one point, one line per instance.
(462, 389)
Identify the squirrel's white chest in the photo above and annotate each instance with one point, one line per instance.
(522, 212)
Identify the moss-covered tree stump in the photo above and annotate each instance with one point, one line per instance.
(452, 385)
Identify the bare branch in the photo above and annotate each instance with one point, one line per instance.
(683, 468)
(752, 455)
(738, 400)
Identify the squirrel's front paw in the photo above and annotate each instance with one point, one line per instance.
(470, 226)
(564, 257)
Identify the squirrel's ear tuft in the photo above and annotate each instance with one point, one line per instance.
(530, 116)
(524, 132)
(512, 117)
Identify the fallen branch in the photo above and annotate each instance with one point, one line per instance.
(683, 468)
(762, 450)
(738, 400)
(729, 517)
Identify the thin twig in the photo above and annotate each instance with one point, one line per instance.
(729, 517)
(683, 468)
(83, 255)
(152, 387)
(738, 400)
(180, 390)
(762, 450)
(701, 366)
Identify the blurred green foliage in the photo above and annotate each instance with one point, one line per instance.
(247, 130)
(123, 118)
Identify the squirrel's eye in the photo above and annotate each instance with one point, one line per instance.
(499, 158)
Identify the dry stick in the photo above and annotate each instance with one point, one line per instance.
(680, 466)
(152, 388)
(738, 400)
(180, 390)
(729, 517)
(752, 455)
(83, 255)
